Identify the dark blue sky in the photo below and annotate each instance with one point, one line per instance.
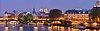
(27, 5)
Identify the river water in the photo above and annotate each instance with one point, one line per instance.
(39, 27)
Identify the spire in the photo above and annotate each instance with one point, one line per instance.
(34, 12)
(97, 4)
(6, 12)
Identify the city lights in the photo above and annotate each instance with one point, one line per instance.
(43, 18)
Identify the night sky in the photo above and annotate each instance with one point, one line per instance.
(27, 5)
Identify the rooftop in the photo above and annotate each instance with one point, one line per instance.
(76, 12)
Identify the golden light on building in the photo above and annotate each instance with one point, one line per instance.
(98, 19)
(86, 24)
(94, 24)
(77, 15)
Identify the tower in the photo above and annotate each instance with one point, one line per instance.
(34, 12)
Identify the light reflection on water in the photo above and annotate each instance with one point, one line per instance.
(6, 28)
(99, 29)
(49, 28)
(40, 27)
(35, 28)
(21, 28)
(87, 29)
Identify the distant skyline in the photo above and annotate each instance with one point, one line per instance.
(28, 5)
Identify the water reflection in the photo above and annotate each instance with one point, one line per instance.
(62, 28)
(69, 29)
(40, 27)
(35, 28)
(6, 28)
(87, 29)
(49, 28)
(94, 30)
(21, 28)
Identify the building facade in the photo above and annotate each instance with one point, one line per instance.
(76, 15)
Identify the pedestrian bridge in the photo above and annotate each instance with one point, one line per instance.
(4, 19)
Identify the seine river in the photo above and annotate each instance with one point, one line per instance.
(39, 27)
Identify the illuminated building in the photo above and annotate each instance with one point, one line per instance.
(80, 15)
(9, 15)
(76, 15)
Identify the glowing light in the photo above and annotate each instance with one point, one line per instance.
(69, 29)
(62, 28)
(21, 28)
(94, 30)
(94, 24)
(12, 22)
(57, 22)
(13, 26)
(87, 29)
(49, 28)
(84, 12)
(35, 28)
(86, 24)
(6, 28)
(72, 29)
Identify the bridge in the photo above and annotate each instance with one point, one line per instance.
(8, 19)
(34, 20)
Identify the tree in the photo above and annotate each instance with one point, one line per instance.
(95, 13)
(21, 17)
(55, 13)
(29, 17)
(25, 18)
